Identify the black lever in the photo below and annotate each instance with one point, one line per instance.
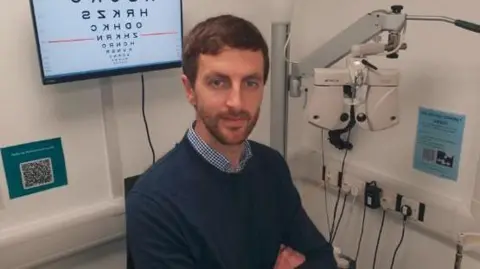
(397, 9)
(467, 25)
(369, 65)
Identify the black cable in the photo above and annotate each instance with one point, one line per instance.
(326, 211)
(340, 180)
(378, 239)
(335, 214)
(361, 232)
(145, 121)
(346, 151)
(399, 243)
(340, 218)
(324, 171)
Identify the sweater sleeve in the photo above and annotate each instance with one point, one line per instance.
(154, 238)
(301, 233)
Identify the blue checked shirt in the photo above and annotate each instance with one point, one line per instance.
(216, 158)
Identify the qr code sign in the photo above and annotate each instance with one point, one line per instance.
(36, 173)
(429, 155)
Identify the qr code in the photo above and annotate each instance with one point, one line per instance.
(36, 173)
(429, 155)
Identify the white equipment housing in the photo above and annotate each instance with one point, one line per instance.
(326, 103)
(376, 101)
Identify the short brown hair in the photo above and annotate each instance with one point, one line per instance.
(213, 34)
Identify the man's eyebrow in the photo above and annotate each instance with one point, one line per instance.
(221, 75)
(254, 76)
(216, 74)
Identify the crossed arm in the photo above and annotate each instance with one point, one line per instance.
(156, 242)
(303, 236)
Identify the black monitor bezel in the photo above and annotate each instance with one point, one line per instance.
(106, 73)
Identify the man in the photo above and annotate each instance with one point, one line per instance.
(218, 200)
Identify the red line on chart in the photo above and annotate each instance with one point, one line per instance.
(71, 40)
(159, 33)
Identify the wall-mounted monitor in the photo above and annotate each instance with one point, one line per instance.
(86, 39)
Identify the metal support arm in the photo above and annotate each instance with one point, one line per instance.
(466, 241)
(360, 32)
(339, 46)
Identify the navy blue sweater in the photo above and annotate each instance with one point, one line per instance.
(186, 214)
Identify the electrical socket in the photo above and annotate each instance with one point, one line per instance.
(357, 187)
(350, 185)
(414, 205)
(390, 200)
(418, 208)
(331, 177)
(332, 182)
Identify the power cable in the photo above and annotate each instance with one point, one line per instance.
(146, 122)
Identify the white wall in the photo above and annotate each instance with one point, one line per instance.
(110, 255)
(89, 211)
(31, 112)
(444, 79)
(56, 222)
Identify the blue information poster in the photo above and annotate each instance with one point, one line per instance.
(34, 167)
(438, 143)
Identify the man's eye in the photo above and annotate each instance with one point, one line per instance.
(217, 83)
(252, 84)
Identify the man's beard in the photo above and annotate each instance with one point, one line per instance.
(212, 123)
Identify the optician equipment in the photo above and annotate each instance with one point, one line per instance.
(360, 94)
(465, 242)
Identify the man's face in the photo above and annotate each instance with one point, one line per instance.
(228, 93)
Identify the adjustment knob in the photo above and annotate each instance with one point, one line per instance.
(361, 117)
(392, 56)
(397, 9)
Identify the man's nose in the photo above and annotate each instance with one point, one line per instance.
(234, 99)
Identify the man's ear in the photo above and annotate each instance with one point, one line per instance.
(190, 93)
